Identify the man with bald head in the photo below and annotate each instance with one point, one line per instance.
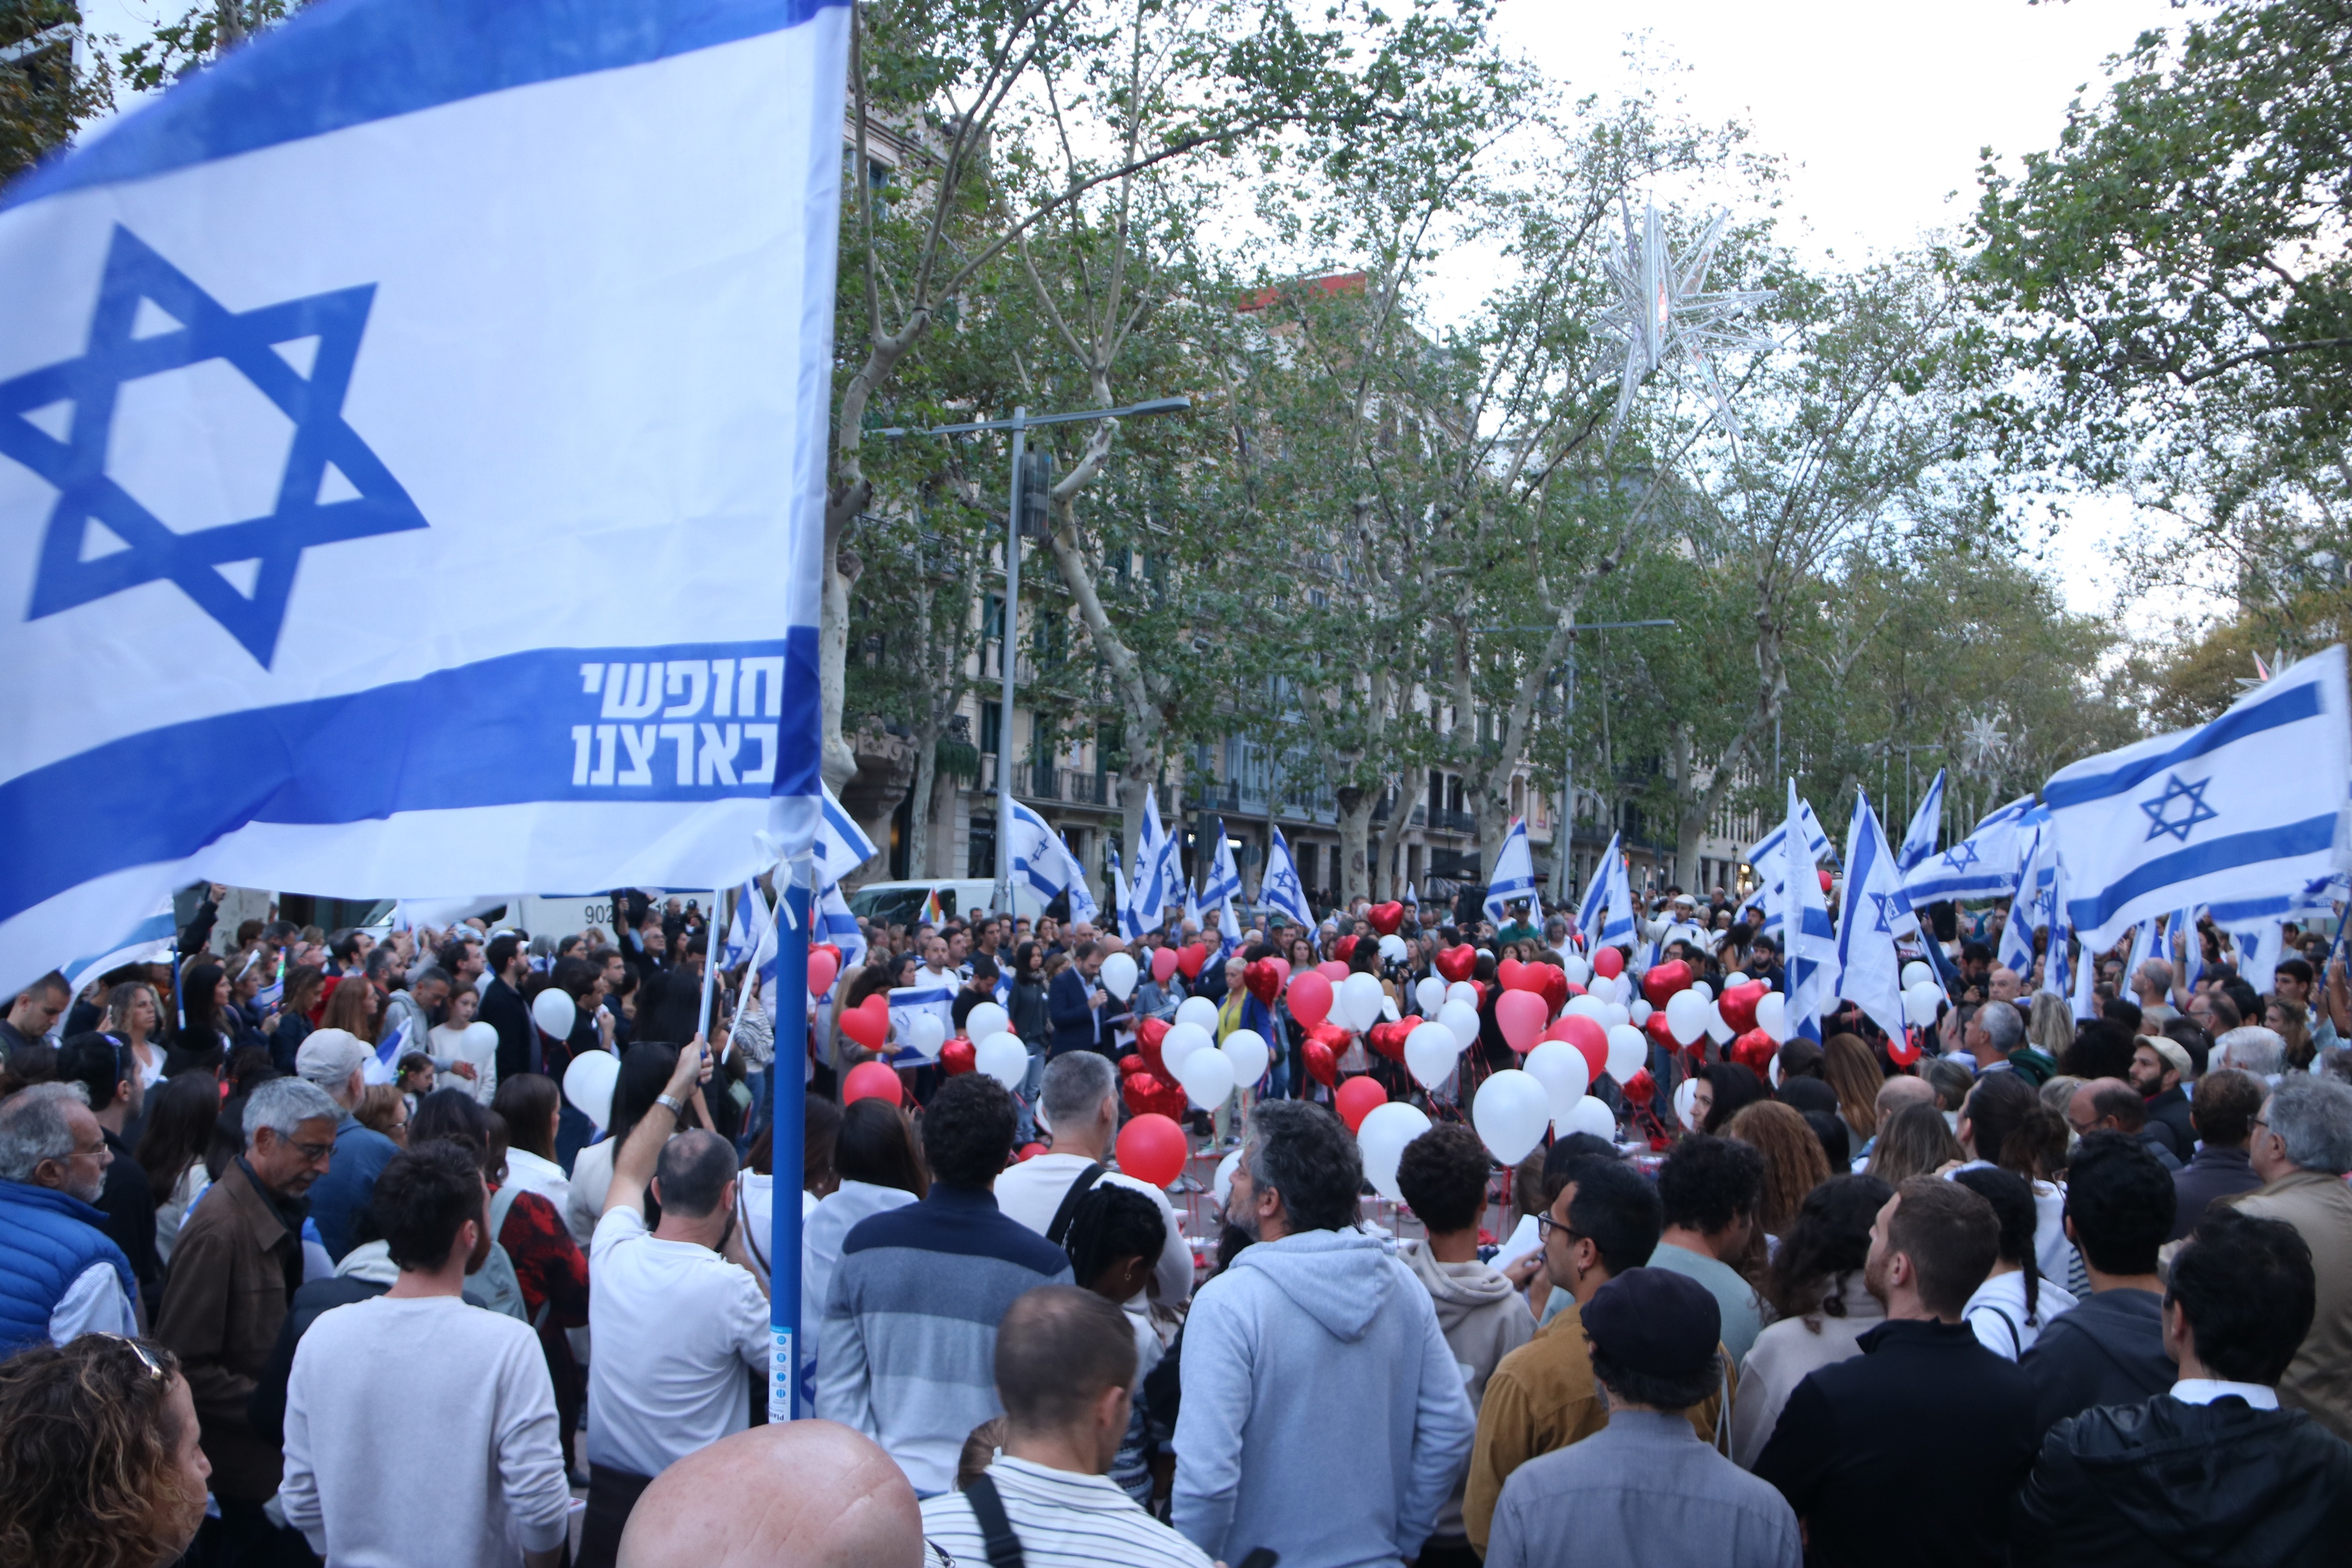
(680, 1315)
(2002, 984)
(802, 1494)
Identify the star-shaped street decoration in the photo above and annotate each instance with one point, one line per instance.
(102, 541)
(2159, 810)
(1961, 856)
(1663, 311)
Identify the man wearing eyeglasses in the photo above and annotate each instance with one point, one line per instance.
(60, 1276)
(234, 1269)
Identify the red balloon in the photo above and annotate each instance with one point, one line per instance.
(1147, 1035)
(868, 1023)
(1520, 1016)
(1755, 1050)
(1130, 1064)
(1738, 1004)
(1385, 918)
(1664, 980)
(1389, 1038)
(1332, 970)
(956, 1055)
(1190, 959)
(1359, 1098)
(1827, 880)
(1905, 1051)
(1163, 964)
(1555, 986)
(1608, 962)
(822, 968)
(1153, 1148)
(826, 947)
(1263, 980)
(872, 1080)
(1321, 1065)
(1591, 1040)
(1281, 974)
(1310, 997)
(1456, 963)
(1029, 1152)
(1656, 1029)
(1641, 1088)
(1514, 976)
(1140, 1091)
(1344, 948)
(1334, 1038)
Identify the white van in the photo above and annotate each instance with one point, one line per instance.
(901, 903)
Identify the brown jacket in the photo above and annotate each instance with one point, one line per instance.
(2319, 1206)
(223, 1306)
(1542, 1397)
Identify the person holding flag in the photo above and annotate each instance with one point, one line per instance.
(1513, 882)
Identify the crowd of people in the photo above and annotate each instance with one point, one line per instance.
(305, 1255)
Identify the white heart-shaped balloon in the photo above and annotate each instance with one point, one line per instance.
(1245, 1048)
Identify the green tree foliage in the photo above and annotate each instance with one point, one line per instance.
(44, 94)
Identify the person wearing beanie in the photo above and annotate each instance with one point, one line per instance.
(336, 1060)
(1644, 1489)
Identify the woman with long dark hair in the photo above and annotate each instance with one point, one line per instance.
(880, 1165)
(1815, 1285)
(290, 1024)
(1032, 1019)
(355, 1007)
(203, 1040)
(2010, 1308)
(179, 1130)
(645, 1073)
(2005, 1123)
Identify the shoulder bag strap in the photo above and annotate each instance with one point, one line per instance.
(1078, 1189)
(987, 1510)
(751, 1232)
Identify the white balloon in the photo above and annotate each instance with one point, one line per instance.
(1200, 1011)
(1705, 991)
(1716, 1029)
(1686, 1101)
(1180, 1042)
(926, 1035)
(1359, 1001)
(1774, 1070)
(1586, 1006)
(1431, 994)
(1685, 1017)
(1430, 1053)
(1734, 978)
(1003, 1057)
(1589, 1115)
(1461, 1020)
(482, 1038)
(1510, 1113)
(1639, 1013)
(1772, 1015)
(1614, 1015)
(1222, 1184)
(1572, 964)
(986, 1020)
(1629, 1050)
(1381, 1137)
(1462, 990)
(588, 1082)
(1919, 1002)
(1562, 1070)
(1207, 1076)
(1119, 975)
(1914, 973)
(553, 1012)
(1245, 1048)
(1393, 948)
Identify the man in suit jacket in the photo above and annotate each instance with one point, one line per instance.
(503, 1010)
(1076, 1002)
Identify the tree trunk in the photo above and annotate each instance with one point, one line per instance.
(1416, 784)
(841, 570)
(919, 818)
(1356, 805)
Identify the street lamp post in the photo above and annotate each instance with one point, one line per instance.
(1021, 423)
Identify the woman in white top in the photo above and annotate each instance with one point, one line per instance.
(2013, 1305)
(131, 1014)
(880, 1169)
(531, 1106)
(453, 1041)
(179, 1128)
(2004, 1124)
(1815, 1285)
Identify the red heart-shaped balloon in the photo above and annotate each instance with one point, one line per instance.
(1665, 980)
(1591, 1040)
(956, 1055)
(868, 1023)
(1132, 1063)
(1555, 986)
(817, 947)
(1147, 1035)
(1641, 1088)
(1190, 958)
(1456, 963)
(1344, 948)
(1738, 1005)
(1510, 971)
(1905, 1051)
(1755, 1050)
(1330, 1036)
(1385, 918)
(1657, 1031)
(1141, 1092)
(1163, 964)
(1263, 980)
(1321, 1065)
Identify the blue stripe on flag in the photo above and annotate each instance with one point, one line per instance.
(2309, 837)
(335, 66)
(2291, 706)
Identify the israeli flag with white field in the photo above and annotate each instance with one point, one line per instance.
(390, 416)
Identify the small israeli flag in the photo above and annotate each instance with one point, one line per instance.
(2185, 946)
(1044, 863)
(1154, 889)
(2244, 812)
(1983, 865)
(536, 286)
(1869, 969)
(1279, 888)
(841, 846)
(384, 1067)
(1607, 918)
(1224, 883)
(2035, 906)
(1082, 902)
(1130, 924)
(1810, 948)
(1514, 878)
(1926, 827)
(907, 1002)
(1766, 857)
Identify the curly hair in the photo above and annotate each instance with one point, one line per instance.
(1795, 1161)
(1830, 1238)
(87, 1477)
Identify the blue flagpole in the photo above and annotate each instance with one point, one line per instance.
(789, 1134)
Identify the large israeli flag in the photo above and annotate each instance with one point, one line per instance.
(1129, 925)
(1279, 888)
(1926, 827)
(151, 940)
(1514, 878)
(1154, 889)
(1869, 969)
(1607, 918)
(1983, 865)
(1810, 948)
(1039, 858)
(2243, 813)
(390, 415)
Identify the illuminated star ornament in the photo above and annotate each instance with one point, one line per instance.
(1664, 313)
(2160, 816)
(153, 319)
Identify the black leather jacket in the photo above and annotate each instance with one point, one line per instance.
(2162, 1483)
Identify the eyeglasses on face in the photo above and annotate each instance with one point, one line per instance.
(1545, 1227)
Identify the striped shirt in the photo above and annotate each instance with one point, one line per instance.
(1064, 1520)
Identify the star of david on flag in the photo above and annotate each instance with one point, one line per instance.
(1869, 969)
(152, 318)
(2161, 819)
(1984, 865)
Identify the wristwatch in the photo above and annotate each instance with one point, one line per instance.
(676, 1106)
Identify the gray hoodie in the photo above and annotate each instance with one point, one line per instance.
(1484, 1320)
(1324, 1415)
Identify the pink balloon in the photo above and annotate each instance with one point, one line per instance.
(1311, 998)
(823, 967)
(1281, 971)
(1521, 1016)
(1332, 970)
(1163, 964)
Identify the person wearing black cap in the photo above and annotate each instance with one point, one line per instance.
(1644, 1489)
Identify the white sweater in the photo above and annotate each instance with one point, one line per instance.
(422, 1432)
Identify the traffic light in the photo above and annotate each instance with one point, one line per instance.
(1036, 492)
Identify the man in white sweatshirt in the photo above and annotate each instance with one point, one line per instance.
(1444, 1174)
(420, 1428)
(1317, 1341)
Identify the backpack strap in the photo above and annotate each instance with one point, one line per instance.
(995, 1530)
(1085, 1183)
(2016, 1340)
(750, 1233)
